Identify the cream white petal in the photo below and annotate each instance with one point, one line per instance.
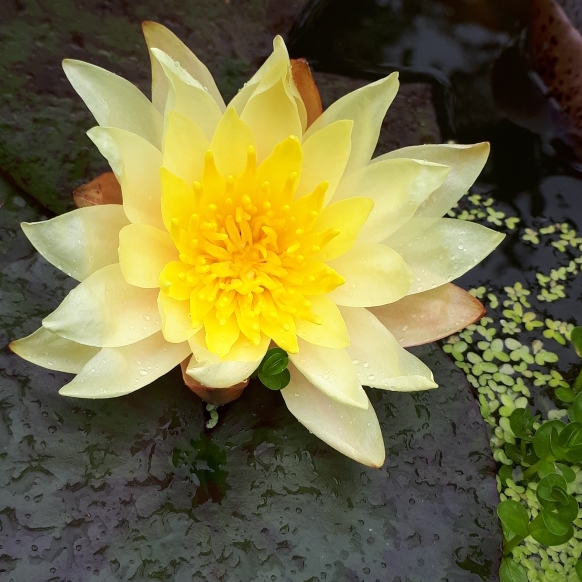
(272, 116)
(331, 371)
(144, 251)
(187, 96)
(354, 432)
(465, 161)
(267, 73)
(438, 251)
(176, 320)
(184, 147)
(79, 242)
(429, 316)
(243, 359)
(136, 163)
(325, 155)
(374, 275)
(380, 361)
(118, 371)
(397, 187)
(48, 350)
(106, 311)
(158, 36)
(115, 102)
(366, 107)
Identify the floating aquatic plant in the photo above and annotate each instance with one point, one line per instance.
(258, 238)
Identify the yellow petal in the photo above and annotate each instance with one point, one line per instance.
(144, 251)
(465, 161)
(272, 116)
(354, 432)
(79, 242)
(230, 144)
(438, 251)
(184, 147)
(118, 371)
(187, 96)
(202, 356)
(48, 350)
(347, 216)
(332, 372)
(220, 336)
(136, 163)
(158, 36)
(379, 360)
(325, 155)
(285, 159)
(366, 107)
(178, 201)
(374, 275)
(171, 281)
(332, 332)
(115, 102)
(176, 321)
(397, 187)
(429, 316)
(106, 311)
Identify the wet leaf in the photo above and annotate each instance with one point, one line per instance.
(104, 189)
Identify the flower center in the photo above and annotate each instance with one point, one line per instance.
(249, 252)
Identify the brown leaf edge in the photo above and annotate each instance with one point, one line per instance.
(104, 189)
(307, 88)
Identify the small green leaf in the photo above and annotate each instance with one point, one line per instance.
(575, 411)
(514, 517)
(567, 473)
(274, 362)
(579, 569)
(541, 441)
(546, 537)
(510, 571)
(555, 524)
(571, 436)
(544, 491)
(573, 455)
(565, 394)
(521, 423)
(546, 468)
(576, 339)
(276, 381)
(505, 473)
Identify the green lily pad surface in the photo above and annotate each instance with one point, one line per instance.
(137, 488)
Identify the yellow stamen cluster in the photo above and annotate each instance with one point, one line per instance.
(248, 253)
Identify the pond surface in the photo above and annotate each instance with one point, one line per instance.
(137, 488)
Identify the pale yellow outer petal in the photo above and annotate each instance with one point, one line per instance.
(158, 36)
(144, 251)
(429, 316)
(354, 432)
(278, 59)
(465, 161)
(176, 320)
(79, 242)
(332, 333)
(366, 107)
(244, 358)
(106, 311)
(177, 200)
(115, 102)
(117, 371)
(136, 163)
(380, 361)
(438, 251)
(188, 97)
(48, 350)
(397, 187)
(230, 144)
(374, 274)
(348, 216)
(331, 371)
(272, 116)
(325, 155)
(184, 147)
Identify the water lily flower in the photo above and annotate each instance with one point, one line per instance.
(242, 227)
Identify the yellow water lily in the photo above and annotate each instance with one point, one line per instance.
(241, 227)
